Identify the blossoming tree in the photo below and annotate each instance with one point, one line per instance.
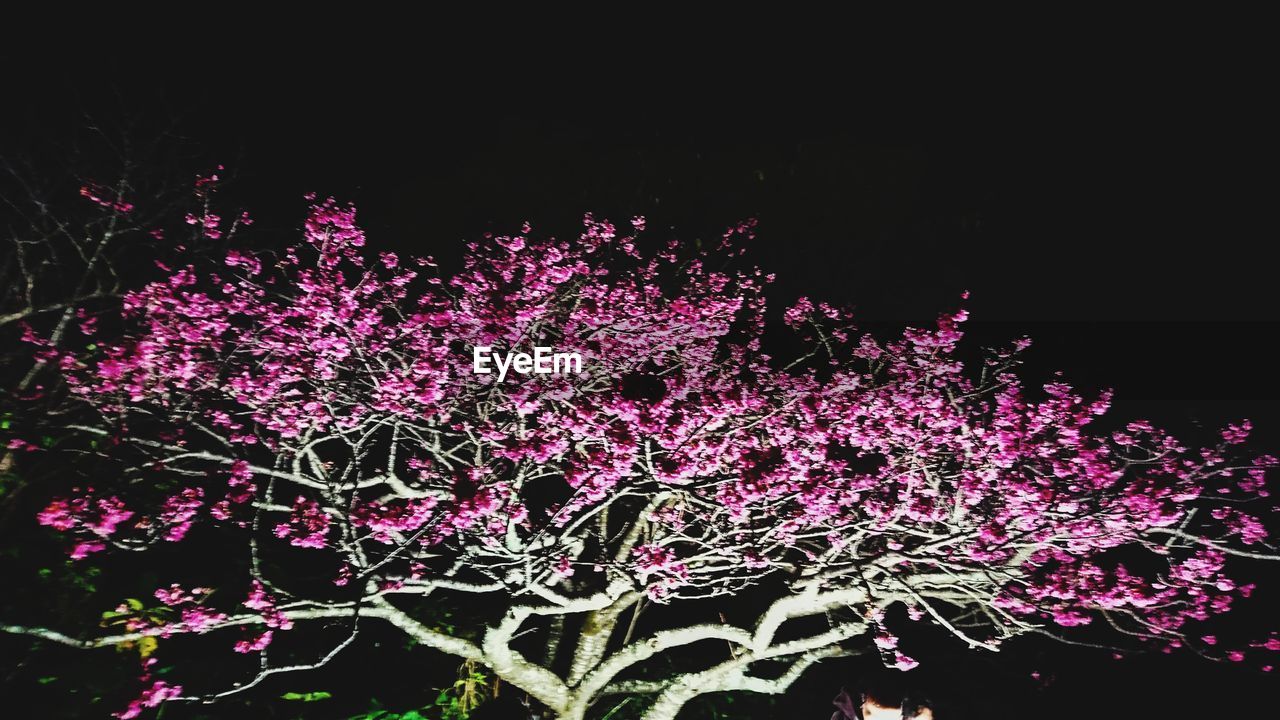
(322, 402)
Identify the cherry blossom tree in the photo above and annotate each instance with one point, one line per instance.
(320, 404)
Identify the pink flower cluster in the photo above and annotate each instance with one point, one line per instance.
(155, 694)
(88, 516)
(196, 617)
(265, 603)
(659, 570)
(307, 527)
(102, 196)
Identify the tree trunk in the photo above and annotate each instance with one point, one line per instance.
(668, 704)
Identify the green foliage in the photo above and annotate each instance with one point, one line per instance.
(72, 576)
(133, 608)
(313, 696)
(613, 711)
(377, 712)
(466, 694)
(455, 702)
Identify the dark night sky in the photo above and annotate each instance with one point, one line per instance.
(1121, 197)
(1124, 218)
(1121, 216)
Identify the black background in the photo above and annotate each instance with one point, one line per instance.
(1123, 216)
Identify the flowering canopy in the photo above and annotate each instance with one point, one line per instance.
(323, 399)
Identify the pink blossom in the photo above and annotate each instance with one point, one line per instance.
(153, 696)
(307, 527)
(563, 567)
(256, 644)
(344, 576)
(904, 663)
(102, 196)
(885, 641)
(84, 549)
